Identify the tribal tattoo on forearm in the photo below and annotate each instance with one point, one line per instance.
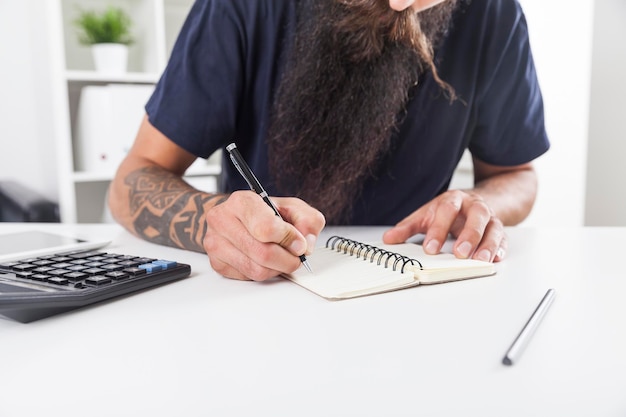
(166, 210)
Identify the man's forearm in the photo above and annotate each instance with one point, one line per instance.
(511, 195)
(161, 207)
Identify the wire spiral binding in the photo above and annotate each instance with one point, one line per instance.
(363, 250)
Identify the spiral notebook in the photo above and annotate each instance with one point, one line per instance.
(346, 268)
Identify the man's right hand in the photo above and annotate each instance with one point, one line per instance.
(246, 240)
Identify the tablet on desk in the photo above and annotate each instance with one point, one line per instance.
(33, 243)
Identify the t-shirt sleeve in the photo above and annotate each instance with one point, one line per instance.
(510, 126)
(195, 101)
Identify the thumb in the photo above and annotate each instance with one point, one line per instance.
(293, 241)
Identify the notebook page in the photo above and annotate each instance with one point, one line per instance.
(337, 275)
(434, 269)
(442, 267)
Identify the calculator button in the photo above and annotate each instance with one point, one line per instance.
(24, 267)
(93, 271)
(40, 277)
(96, 258)
(144, 260)
(135, 271)
(77, 268)
(61, 259)
(59, 280)
(165, 264)
(75, 276)
(59, 272)
(28, 261)
(97, 280)
(117, 275)
(61, 265)
(112, 267)
(151, 267)
(129, 263)
(42, 262)
(83, 255)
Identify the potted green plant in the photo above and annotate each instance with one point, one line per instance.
(108, 33)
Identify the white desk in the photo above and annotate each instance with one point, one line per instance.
(209, 346)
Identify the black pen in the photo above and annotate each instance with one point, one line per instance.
(255, 185)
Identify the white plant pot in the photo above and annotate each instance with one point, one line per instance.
(110, 58)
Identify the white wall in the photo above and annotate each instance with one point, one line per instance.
(561, 38)
(606, 180)
(26, 146)
(562, 49)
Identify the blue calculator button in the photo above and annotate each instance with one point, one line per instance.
(151, 267)
(165, 264)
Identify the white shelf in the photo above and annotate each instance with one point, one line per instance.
(156, 24)
(209, 169)
(96, 77)
(86, 177)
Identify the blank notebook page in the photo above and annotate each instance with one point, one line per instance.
(337, 275)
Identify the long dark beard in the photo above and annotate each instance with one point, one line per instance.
(345, 86)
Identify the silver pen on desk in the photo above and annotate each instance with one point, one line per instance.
(255, 185)
(523, 338)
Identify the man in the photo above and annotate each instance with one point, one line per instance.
(348, 111)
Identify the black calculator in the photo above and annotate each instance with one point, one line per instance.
(37, 287)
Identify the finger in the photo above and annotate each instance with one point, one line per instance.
(241, 262)
(306, 219)
(491, 242)
(478, 216)
(226, 270)
(416, 222)
(270, 243)
(446, 213)
(263, 225)
(252, 271)
(502, 250)
(278, 232)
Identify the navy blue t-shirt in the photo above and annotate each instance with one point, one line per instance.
(219, 84)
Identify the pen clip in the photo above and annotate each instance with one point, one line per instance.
(244, 176)
(244, 169)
